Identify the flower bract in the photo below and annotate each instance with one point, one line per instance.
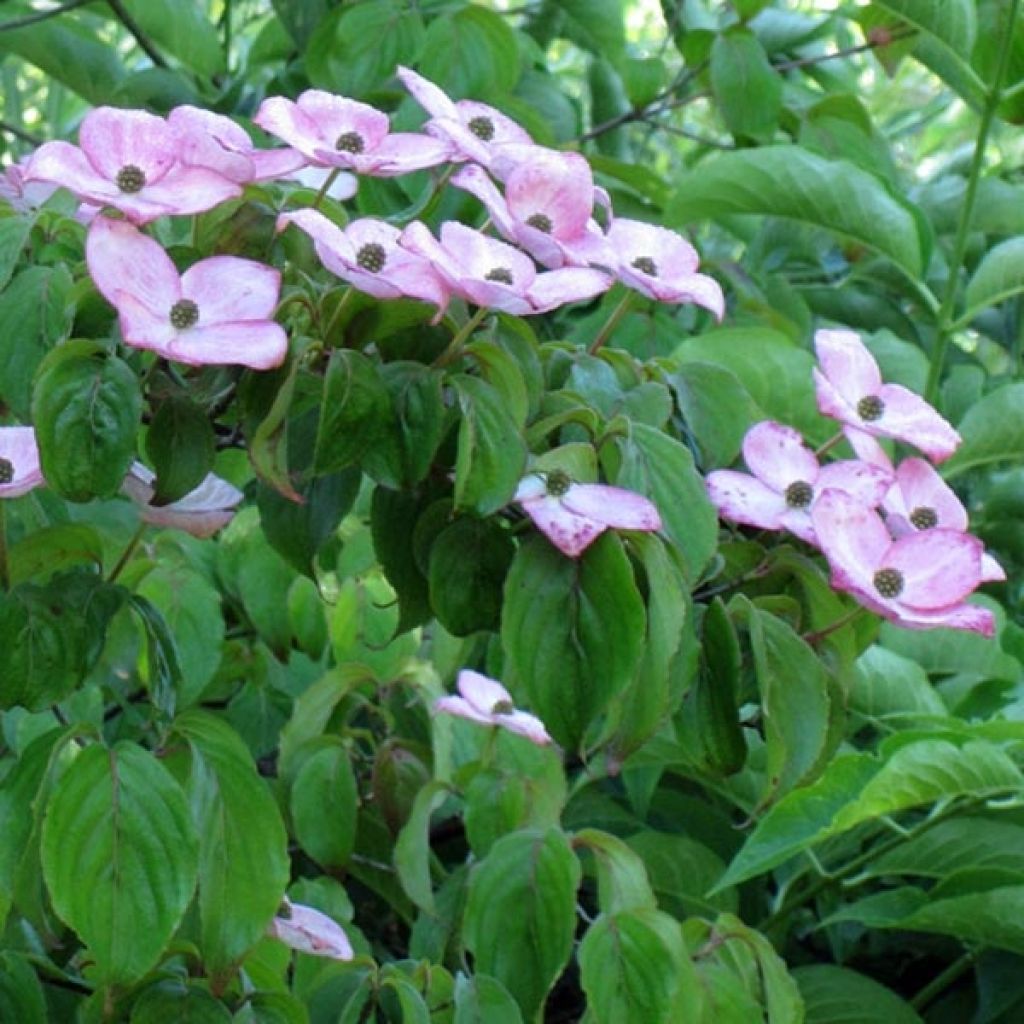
(487, 702)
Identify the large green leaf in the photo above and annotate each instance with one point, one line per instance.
(953, 22)
(119, 856)
(998, 277)
(837, 995)
(21, 995)
(521, 913)
(789, 181)
(747, 89)
(243, 851)
(992, 430)
(324, 800)
(594, 25)
(471, 52)
(14, 231)
(572, 631)
(182, 28)
(483, 1000)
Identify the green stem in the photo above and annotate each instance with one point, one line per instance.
(942, 981)
(455, 345)
(992, 100)
(612, 322)
(844, 620)
(338, 309)
(127, 553)
(5, 576)
(328, 182)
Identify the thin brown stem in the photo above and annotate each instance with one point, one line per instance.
(32, 19)
(145, 44)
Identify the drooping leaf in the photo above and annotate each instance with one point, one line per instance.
(324, 801)
(998, 277)
(992, 430)
(838, 995)
(747, 90)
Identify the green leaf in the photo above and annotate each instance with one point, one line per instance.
(53, 548)
(622, 883)
(355, 50)
(353, 411)
(998, 277)
(300, 17)
(468, 563)
(660, 467)
(491, 451)
(182, 28)
(837, 995)
(172, 1000)
(521, 913)
(181, 445)
(632, 964)
(594, 25)
(892, 690)
(471, 52)
(35, 314)
(952, 22)
(484, 1000)
(788, 181)
(119, 857)
(14, 230)
(86, 408)
(682, 871)
(992, 430)
(391, 512)
(794, 702)
(324, 801)
(272, 1008)
(21, 995)
(572, 631)
(243, 851)
(746, 88)
(412, 849)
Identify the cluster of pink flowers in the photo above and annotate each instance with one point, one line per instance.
(894, 537)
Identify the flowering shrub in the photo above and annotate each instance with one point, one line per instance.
(736, 731)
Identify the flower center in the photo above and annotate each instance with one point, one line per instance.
(6, 470)
(645, 265)
(503, 707)
(501, 274)
(482, 128)
(540, 221)
(184, 314)
(924, 517)
(870, 408)
(372, 257)
(130, 178)
(799, 494)
(350, 142)
(889, 582)
(558, 482)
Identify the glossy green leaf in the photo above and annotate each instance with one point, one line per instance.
(521, 913)
(951, 22)
(35, 314)
(21, 995)
(243, 853)
(484, 1000)
(324, 801)
(594, 25)
(471, 52)
(171, 1000)
(181, 28)
(300, 17)
(622, 883)
(412, 850)
(572, 631)
(788, 181)
(181, 445)
(837, 995)
(391, 514)
(747, 89)
(52, 549)
(998, 277)
(992, 431)
(14, 231)
(86, 409)
(119, 854)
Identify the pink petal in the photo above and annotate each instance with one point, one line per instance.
(201, 512)
(461, 708)
(333, 246)
(853, 538)
(495, 295)
(482, 692)
(66, 165)
(971, 617)
(259, 344)
(613, 506)
(227, 288)
(429, 96)
(213, 141)
(417, 239)
(186, 190)
(861, 480)
(113, 138)
(798, 522)
(522, 723)
(991, 570)
(589, 248)
(908, 417)
(18, 447)
(310, 931)
(696, 288)
(867, 448)
(558, 185)
(478, 255)
(505, 129)
(462, 143)
(141, 327)
(555, 288)
(831, 402)
(847, 363)
(269, 164)
(939, 567)
(670, 252)
(401, 153)
(334, 115)
(284, 119)
(918, 485)
(123, 261)
(475, 181)
(745, 499)
(777, 455)
(570, 533)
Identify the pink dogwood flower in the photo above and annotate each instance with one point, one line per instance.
(219, 311)
(490, 273)
(662, 265)
(487, 702)
(919, 581)
(336, 131)
(129, 160)
(547, 207)
(366, 253)
(310, 931)
(201, 512)
(19, 462)
(572, 516)
(786, 481)
(206, 139)
(473, 130)
(849, 388)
